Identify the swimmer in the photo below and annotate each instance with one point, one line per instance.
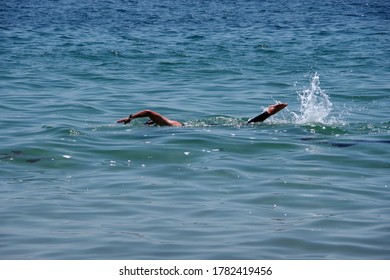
(156, 118)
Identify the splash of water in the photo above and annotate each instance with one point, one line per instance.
(315, 104)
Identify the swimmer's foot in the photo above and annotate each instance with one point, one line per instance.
(273, 109)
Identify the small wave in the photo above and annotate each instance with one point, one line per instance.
(215, 121)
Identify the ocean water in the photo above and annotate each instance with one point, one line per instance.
(312, 182)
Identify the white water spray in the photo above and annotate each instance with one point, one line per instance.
(315, 104)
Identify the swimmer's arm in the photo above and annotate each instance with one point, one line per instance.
(271, 110)
(153, 116)
(260, 118)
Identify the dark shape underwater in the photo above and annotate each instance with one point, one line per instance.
(21, 155)
(343, 144)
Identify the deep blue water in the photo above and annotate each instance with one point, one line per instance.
(311, 182)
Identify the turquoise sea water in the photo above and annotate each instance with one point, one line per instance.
(312, 182)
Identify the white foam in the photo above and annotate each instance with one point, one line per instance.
(315, 104)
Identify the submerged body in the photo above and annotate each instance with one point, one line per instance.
(156, 118)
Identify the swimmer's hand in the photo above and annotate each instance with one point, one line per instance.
(273, 109)
(125, 120)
